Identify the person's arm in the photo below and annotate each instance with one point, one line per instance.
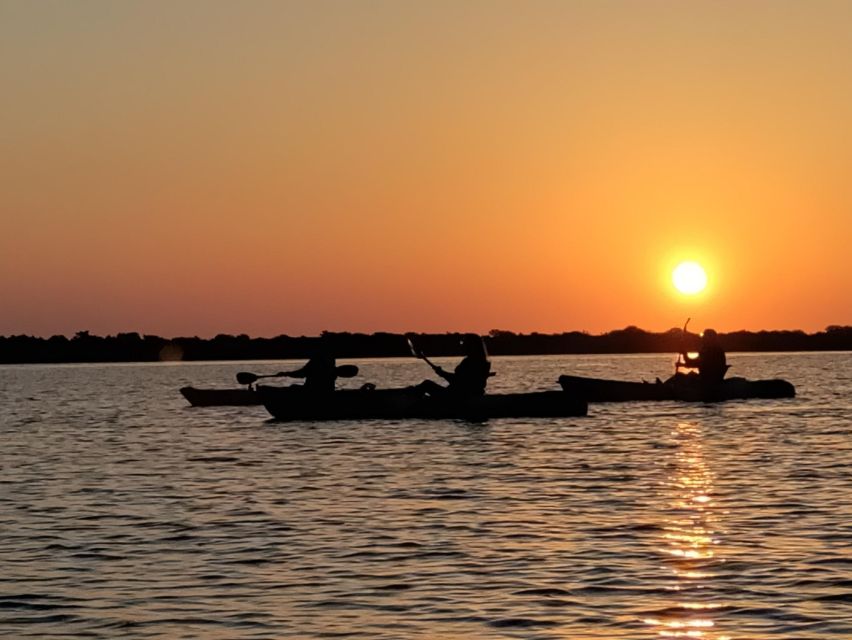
(446, 375)
(298, 373)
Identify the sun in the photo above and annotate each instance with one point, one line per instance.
(689, 278)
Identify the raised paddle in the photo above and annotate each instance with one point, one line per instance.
(679, 363)
(343, 371)
(419, 354)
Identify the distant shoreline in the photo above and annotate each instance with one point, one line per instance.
(132, 347)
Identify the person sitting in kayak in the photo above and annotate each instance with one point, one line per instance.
(320, 372)
(710, 362)
(469, 377)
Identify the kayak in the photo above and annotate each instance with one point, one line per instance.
(686, 388)
(220, 397)
(399, 404)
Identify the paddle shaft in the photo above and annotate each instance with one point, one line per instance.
(419, 354)
(678, 363)
(343, 371)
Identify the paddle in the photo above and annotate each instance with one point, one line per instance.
(343, 371)
(419, 354)
(679, 363)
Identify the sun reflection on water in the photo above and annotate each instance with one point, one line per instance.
(689, 545)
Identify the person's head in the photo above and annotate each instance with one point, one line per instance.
(709, 336)
(323, 349)
(474, 346)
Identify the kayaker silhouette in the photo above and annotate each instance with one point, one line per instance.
(470, 376)
(710, 362)
(320, 372)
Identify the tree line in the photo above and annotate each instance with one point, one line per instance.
(133, 347)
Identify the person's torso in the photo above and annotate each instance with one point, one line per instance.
(321, 374)
(471, 376)
(712, 363)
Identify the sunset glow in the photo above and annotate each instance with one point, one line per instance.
(192, 168)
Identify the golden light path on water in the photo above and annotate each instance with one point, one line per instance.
(689, 544)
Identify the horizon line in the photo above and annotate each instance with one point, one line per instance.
(490, 333)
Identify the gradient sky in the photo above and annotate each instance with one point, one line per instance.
(201, 167)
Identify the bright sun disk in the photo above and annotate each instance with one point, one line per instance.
(689, 277)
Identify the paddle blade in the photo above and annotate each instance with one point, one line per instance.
(412, 348)
(244, 377)
(347, 371)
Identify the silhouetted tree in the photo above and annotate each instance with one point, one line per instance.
(131, 347)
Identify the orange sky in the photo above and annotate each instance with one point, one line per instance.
(271, 167)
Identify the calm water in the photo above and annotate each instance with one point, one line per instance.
(125, 513)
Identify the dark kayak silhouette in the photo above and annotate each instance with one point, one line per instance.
(292, 403)
(248, 396)
(687, 388)
(220, 397)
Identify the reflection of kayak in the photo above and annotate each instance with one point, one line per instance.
(686, 388)
(399, 404)
(219, 397)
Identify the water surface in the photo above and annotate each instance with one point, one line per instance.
(127, 514)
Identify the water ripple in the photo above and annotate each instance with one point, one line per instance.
(125, 514)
